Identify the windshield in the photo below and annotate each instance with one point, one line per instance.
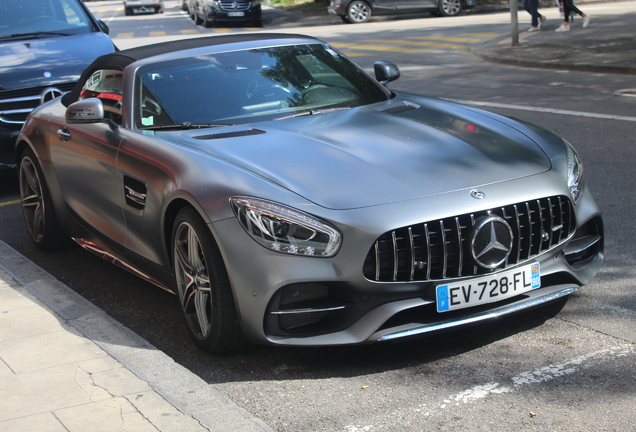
(42, 17)
(244, 86)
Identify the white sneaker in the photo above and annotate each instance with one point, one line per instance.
(563, 28)
(542, 19)
(586, 21)
(533, 29)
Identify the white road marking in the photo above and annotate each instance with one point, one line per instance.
(540, 375)
(549, 110)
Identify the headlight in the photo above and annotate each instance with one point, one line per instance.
(575, 173)
(286, 230)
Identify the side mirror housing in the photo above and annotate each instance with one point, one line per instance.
(85, 111)
(385, 72)
(103, 26)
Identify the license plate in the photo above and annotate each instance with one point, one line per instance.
(488, 289)
(235, 14)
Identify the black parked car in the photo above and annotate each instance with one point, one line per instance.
(359, 11)
(44, 47)
(210, 12)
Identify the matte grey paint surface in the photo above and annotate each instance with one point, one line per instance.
(367, 170)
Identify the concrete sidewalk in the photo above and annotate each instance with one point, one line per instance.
(67, 366)
(607, 45)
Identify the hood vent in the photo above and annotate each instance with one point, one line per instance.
(235, 134)
(407, 106)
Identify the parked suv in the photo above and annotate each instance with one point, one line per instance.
(44, 47)
(210, 12)
(141, 6)
(359, 11)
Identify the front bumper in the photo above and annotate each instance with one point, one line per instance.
(218, 15)
(8, 139)
(304, 301)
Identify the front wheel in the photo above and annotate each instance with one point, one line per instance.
(359, 12)
(449, 7)
(195, 17)
(203, 286)
(37, 206)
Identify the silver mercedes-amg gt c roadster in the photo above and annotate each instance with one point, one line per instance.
(287, 197)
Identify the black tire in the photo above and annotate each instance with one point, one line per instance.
(359, 11)
(195, 17)
(129, 12)
(37, 206)
(203, 287)
(450, 7)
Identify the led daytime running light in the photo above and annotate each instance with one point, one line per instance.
(283, 229)
(575, 173)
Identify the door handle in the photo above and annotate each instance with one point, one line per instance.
(64, 134)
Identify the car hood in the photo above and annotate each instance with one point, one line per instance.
(379, 154)
(36, 62)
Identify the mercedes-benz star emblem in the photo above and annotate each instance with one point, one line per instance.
(477, 194)
(50, 93)
(491, 242)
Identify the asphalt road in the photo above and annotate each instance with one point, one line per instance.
(572, 369)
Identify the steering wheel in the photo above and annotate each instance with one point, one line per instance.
(40, 18)
(268, 93)
(312, 91)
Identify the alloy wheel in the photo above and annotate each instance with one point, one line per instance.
(32, 199)
(193, 281)
(359, 12)
(451, 7)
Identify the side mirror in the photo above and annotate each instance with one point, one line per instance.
(385, 72)
(87, 111)
(103, 26)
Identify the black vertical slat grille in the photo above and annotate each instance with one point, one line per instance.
(440, 249)
(234, 5)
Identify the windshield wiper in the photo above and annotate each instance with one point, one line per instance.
(299, 114)
(186, 126)
(311, 112)
(40, 33)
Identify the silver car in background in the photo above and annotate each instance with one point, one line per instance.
(289, 198)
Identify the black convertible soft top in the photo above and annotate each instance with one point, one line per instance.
(120, 59)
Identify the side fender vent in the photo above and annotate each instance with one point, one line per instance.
(235, 134)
